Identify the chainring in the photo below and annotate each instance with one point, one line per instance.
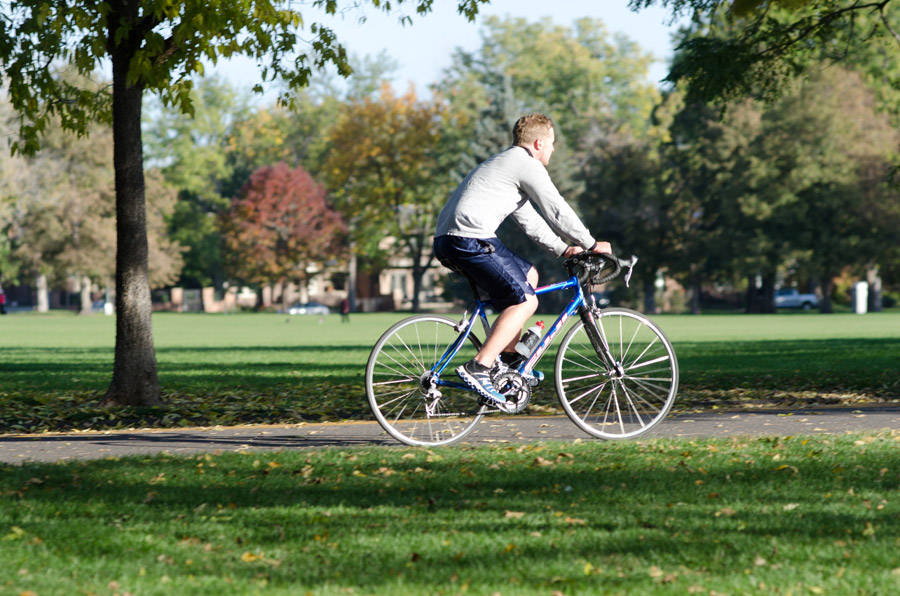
(514, 387)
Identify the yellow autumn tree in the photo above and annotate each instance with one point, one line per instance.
(388, 174)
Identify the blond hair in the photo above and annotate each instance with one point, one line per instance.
(531, 127)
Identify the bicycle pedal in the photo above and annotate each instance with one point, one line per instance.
(534, 378)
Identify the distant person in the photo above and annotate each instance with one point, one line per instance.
(345, 310)
(2, 303)
(512, 183)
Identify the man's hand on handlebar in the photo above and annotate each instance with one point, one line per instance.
(599, 247)
(602, 247)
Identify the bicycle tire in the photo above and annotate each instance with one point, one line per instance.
(399, 363)
(617, 403)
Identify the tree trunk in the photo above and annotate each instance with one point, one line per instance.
(753, 303)
(767, 298)
(874, 280)
(695, 293)
(825, 305)
(417, 274)
(351, 278)
(86, 303)
(282, 290)
(419, 267)
(135, 381)
(649, 297)
(43, 299)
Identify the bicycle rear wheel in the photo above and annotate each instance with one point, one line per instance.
(624, 398)
(398, 387)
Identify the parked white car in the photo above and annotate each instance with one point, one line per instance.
(791, 298)
(309, 308)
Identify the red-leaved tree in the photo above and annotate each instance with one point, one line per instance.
(280, 228)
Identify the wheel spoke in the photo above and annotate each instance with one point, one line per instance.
(624, 400)
(402, 366)
(398, 388)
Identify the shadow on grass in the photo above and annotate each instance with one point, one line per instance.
(621, 509)
(177, 440)
(75, 369)
(808, 365)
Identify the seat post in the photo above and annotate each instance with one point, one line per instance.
(472, 285)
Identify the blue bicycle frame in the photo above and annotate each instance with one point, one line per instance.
(465, 327)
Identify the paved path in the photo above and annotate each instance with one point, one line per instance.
(95, 445)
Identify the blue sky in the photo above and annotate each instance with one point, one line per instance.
(423, 50)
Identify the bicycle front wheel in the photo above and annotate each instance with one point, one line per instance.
(398, 385)
(625, 397)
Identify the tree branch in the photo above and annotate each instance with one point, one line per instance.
(171, 48)
(822, 22)
(887, 24)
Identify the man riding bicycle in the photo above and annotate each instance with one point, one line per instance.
(466, 239)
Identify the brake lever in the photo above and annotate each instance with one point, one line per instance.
(630, 263)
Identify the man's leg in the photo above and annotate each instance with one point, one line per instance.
(507, 329)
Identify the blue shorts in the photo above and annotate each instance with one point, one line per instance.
(495, 268)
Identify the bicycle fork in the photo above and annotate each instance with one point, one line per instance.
(591, 317)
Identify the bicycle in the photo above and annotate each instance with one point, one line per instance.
(616, 373)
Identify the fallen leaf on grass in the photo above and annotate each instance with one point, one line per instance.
(514, 514)
(15, 533)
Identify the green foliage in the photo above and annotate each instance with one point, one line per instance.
(632, 202)
(192, 154)
(754, 47)
(800, 515)
(167, 43)
(788, 187)
(273, 134)
(581, 76)
(60, 211)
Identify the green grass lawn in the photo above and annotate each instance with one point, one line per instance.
(217, 369)
(816, 515)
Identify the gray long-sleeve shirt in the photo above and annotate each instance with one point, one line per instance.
(505, 185)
